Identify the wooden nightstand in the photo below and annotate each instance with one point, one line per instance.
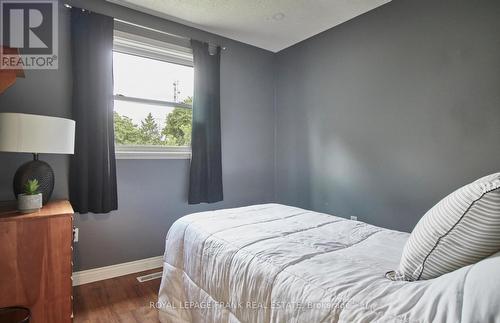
(36, 261)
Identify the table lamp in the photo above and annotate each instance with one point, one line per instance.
(35, 134)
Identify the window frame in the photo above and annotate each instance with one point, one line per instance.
(134, 44)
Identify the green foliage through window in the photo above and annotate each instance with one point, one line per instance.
(175, 131)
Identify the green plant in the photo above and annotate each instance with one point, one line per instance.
(31, 187)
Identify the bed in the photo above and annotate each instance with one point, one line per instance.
(276, 263)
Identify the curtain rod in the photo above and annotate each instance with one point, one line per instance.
(156, 30)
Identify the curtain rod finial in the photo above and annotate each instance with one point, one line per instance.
(212, 48)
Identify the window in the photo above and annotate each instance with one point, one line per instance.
(153, 91)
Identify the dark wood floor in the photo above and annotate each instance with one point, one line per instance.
(121, 299)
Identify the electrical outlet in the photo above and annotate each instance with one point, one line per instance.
(354, 218)
(75, 234)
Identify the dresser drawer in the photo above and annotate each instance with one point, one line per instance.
(35, 271)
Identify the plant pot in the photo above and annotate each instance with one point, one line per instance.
(29, 203)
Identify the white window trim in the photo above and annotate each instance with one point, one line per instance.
(151, 152)
(133, 44)
(127, 43)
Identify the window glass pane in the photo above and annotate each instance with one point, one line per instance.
(146, 78)
(144, 124)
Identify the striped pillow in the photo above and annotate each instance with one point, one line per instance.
(460, 230)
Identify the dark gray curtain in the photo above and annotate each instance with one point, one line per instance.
(93, 168)
(205, 181)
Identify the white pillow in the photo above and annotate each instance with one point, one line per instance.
(460, 230)
(481, 296)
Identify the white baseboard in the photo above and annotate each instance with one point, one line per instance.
(96, 274)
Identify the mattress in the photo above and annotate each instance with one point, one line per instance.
(276, 263)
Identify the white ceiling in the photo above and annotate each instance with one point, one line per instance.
(257, 22)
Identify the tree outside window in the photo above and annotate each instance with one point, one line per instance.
(174, 131)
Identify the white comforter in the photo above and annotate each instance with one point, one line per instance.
(275, 263)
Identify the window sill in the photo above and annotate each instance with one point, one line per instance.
(138, 153)
(148, 155)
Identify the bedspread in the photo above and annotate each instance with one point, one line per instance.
(276, 263)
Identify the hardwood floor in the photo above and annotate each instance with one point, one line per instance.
(116, 300)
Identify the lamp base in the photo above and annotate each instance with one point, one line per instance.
(35, 169)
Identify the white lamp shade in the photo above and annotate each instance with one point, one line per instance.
(30, 133)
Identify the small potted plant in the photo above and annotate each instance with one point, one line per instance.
(31, 200)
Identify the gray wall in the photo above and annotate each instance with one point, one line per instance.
(153, 193)
(384, 115)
